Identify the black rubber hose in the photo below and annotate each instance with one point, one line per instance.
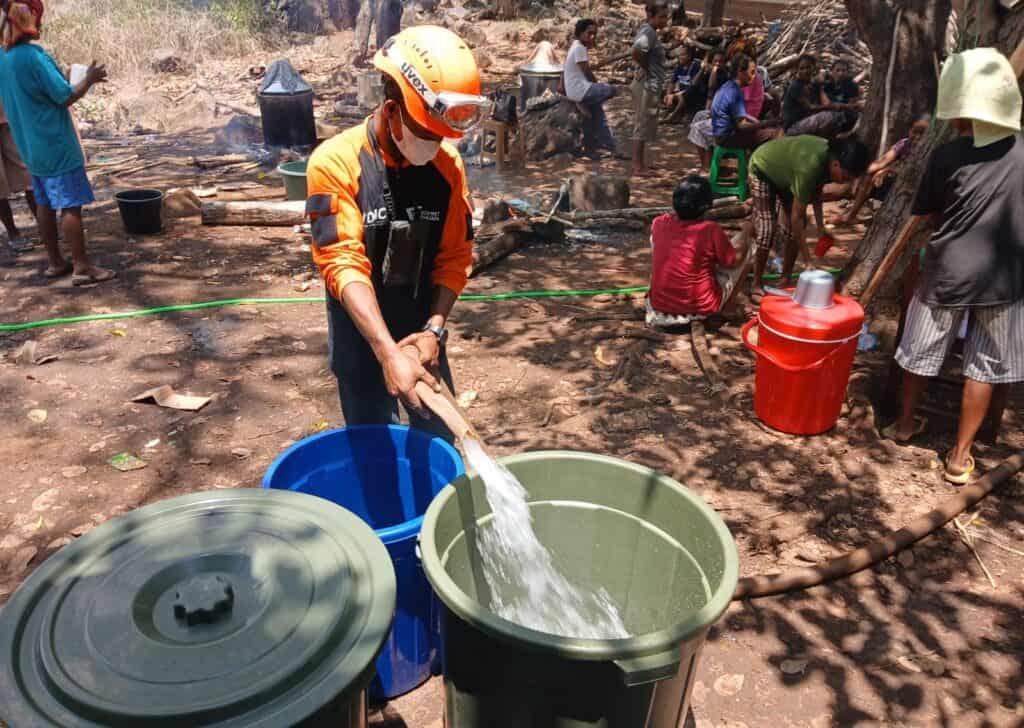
(753, 587)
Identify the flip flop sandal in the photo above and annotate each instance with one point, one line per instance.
(52, 273)
(892, 431)
(960, 478)
(88, 279)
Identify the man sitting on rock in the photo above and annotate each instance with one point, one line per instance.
(694, 267)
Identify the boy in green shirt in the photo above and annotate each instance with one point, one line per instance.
(787, 175)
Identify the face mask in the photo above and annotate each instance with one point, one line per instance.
(417, 151)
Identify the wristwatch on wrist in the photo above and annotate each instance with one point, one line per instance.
(439, 331)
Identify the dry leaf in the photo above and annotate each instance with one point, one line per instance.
(165, 396)
(793, 667)
(907, 663)
(73, 471)
(200, 461)
(37, 415)
(241, 452)
(97, 446)
(599, 356)
(728, 685)
(467, 398)
(118, 332)
(320, 426)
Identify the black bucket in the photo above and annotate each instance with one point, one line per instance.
(140, 210)
(288, 119)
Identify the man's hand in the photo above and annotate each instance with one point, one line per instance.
(427, 345)
(401, 374)
(96, 73)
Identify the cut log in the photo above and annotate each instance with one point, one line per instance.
(726, 212)
(270, 214)
(214, 162)
(484, 254)
(783, 64)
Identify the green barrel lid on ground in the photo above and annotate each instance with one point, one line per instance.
(229, 608)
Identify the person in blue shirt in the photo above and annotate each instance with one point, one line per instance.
(36, 97)
(684, 96)
(729, 124)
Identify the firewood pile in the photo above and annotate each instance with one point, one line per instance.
(822, 28)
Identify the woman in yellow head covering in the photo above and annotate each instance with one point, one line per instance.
(972, 191)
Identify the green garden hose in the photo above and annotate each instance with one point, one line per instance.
(67, 320)
(64, 321)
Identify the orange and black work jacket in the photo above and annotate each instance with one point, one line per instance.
(351, 223)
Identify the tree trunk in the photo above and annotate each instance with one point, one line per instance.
(507, 9)
(889, 220)
(1011, 34)
(714, 10)
(914, 79)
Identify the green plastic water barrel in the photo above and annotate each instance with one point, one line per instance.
(662, 554)
(231, 608)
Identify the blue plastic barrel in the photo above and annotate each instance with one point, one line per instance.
(387, 475)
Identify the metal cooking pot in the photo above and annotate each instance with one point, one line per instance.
(541, 72)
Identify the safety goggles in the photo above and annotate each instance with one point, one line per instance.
(456, 111)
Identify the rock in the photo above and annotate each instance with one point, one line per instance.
(544, 31)
(598, 192)
(496, 210)
(166, 60)
(793, 667)
(308, 16)
(852, 467)
(473, 34)
(729, 685)
(242, 130)
(181, 202)
(484, 60)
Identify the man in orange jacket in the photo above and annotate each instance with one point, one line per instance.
(392, 226)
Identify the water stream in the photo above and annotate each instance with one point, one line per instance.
(526, 586)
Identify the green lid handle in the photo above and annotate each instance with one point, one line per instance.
(650, 668)
(204, 599)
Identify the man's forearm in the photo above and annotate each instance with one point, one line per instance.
(361, 305)
(441, 305)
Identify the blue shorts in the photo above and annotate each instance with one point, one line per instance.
(71, 189)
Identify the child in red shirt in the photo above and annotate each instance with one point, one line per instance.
(694, 266)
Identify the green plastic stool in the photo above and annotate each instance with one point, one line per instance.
(740, 188)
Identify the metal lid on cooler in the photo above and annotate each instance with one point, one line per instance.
(543, 61)
(231, 608)
(813, 312)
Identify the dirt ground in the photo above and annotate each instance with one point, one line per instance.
(925, 639)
